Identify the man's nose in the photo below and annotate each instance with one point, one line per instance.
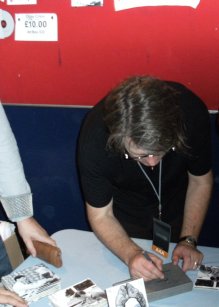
(152, 160)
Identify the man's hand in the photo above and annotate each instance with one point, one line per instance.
(30, 230)
(10, 298)
(140, 267)
(190, 255)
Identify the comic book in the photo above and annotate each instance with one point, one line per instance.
(33, 282)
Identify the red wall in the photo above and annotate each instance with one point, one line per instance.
(98, 47)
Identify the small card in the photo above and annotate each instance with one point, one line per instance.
(85, 293)
(208, 277)
(161, 237)
(128, 293)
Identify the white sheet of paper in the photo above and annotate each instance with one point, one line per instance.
(21, 2)
(77, 3)
(129, 294)
(6, 230)
(36, 27)
(128, 4)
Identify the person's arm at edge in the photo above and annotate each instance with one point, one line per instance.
(108, 229)
(11, 298)
(196, 204)
(13, 184)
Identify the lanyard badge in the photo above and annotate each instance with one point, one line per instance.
(161, 230)
(161, 237)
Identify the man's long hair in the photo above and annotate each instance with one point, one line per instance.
(147, 111)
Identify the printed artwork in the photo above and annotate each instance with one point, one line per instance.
(78, 3)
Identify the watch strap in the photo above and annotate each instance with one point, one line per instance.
(189, 240)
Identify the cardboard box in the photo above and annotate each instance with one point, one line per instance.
(13, 249)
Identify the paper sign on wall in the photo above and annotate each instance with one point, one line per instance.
(77, 3)
(36, 27)
(128, 4)
(21, 2)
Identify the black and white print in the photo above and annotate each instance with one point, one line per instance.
(83, 294)
(208, 277)
(33, 282)
(128, 294)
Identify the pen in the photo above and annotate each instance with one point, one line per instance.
(147, 257)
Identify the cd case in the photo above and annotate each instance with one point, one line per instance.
(85, 293)
(207, 277)
(33, 282)
(175, 282)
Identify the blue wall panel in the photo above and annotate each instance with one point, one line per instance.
(47, 138)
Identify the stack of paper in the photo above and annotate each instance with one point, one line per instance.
(32, 283)
(85, 293)
(208, 277)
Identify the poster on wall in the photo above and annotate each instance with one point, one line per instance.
(128, 4)
(78, 3)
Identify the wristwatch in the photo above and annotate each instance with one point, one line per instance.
(189, 240)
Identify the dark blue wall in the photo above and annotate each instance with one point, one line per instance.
(47, 138)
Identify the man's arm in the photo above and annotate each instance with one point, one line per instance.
(197, 200)
(111, 233)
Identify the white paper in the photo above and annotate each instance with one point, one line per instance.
(78, 3)
(6, 230)
(128, 4)
(130, 294)
(83, 294)
(208, 277)
(21, 2)
(36, 27)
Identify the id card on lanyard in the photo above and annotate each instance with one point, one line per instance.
(161, 230)
(161, 237)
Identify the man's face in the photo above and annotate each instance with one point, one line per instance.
(140, 155)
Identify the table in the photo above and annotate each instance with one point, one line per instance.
(84, 256)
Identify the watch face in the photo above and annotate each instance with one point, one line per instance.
(191, 240)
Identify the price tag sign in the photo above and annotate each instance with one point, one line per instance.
(36, 27)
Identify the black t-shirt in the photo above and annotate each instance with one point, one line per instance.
(105, 174)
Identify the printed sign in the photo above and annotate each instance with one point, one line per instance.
(36, 27)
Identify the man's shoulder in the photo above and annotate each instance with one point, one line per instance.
(93, 130)
(189, 100)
